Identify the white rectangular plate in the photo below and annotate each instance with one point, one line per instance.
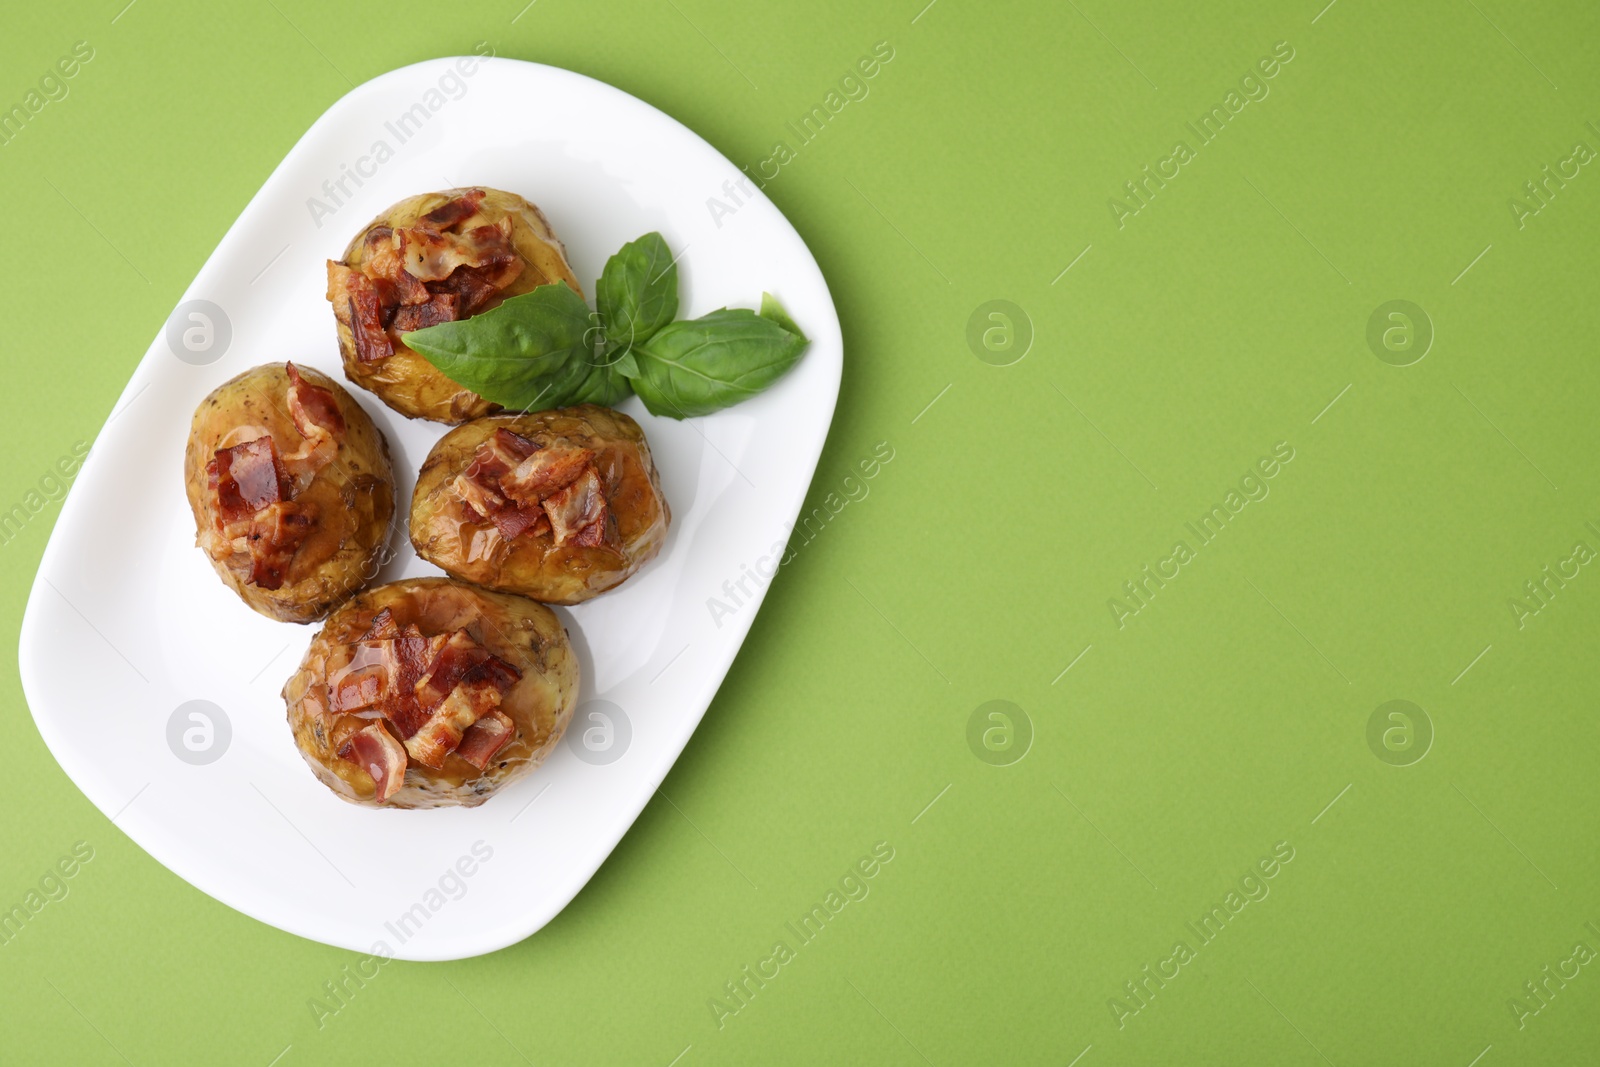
(126, 621)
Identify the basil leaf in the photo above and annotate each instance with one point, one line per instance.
(771, 309)
(627, 363)
(586, 382)
(638, 291)
(520, 354)
(700, 366)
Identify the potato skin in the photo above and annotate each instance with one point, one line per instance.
(355, 493)
(532, 565)
(525, 634)
(406, 381)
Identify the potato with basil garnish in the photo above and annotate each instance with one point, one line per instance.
(430, 693)
(291, 488)
(559, 506)
(438, 257)
(545, 349)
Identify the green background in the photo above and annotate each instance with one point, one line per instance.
(1228, 715)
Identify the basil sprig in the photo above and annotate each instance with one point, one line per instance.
(545, 349)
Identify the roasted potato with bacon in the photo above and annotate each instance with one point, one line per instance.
(291, 489)
(428, 693)
(558, 506)
(434, 258)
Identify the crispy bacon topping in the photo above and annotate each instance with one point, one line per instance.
(316, 415)
(578, 512)
(430, 691)
(522, 488)
(480, 485)
(375, 751)
(458, 656)
(432, 257)
(257, 517)
(454, 212)
(545, 472)
(315, 410)
(439, 736)
(366, 323)
(440, 307)
(406, 660)
(247, 478)
(419, 276)
(387, 271)
(486, 737)
(518, 519)
(358, 689)
(471, 286)
(276, 534)
(502, 451)
(383, 627)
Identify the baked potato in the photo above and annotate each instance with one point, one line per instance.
(429, 693)
(434, 258)
(558, 505)
(291, 489)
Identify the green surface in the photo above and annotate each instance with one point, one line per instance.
(1229, 714)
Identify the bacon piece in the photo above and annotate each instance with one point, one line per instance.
(545, 472)
(366, 323)
(406, 659)
(383, 254)
(497, 257)
(476, 696)
(358, 690)
(484, 504)
(459, 655)
(363, 682)
(356, 304)
(510, 476)
(402, 290)
(386, 269)
(432, 256)
(481, 496)
(276, 533)
(440, 307)
(496, 671)
(442, 732)
(517, 519)
(255, 486)
(594, 535)
(512, 519)
(341, 281)
(486, 737)
(314, 409)
(479, 486)
(359, 305)
(463, 685)
(471, 286)
(454, 212)
(503, 451)
(375, 750)
(316, 415)
(383, 627)
(497, 454)
(577, 507)
(247, 478)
